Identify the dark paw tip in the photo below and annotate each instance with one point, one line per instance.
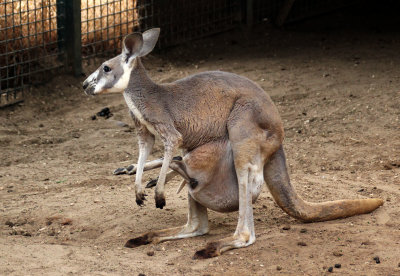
(209, 252)
(177, 158)
(152, 183)
(132, 243)
(139, 202)
(160, 203)
(119, 171)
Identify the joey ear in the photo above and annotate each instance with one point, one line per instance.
(132, 46)
(150, 38)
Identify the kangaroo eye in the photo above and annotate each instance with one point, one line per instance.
(106, 69)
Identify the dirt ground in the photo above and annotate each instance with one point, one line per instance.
(338, 91)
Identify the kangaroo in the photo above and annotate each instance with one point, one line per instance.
(231, 137)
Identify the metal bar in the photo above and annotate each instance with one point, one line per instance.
(73, 36)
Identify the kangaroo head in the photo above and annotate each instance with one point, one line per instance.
(114, 74)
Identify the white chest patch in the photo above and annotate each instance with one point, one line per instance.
(139, 115)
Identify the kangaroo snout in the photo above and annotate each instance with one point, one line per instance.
(85, 85)
(89, 85)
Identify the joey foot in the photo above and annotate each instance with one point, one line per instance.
(125, 170)
(210, 251)
(152, 183)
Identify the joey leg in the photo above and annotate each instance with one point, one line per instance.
(197, 224)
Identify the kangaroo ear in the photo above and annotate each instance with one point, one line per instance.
(150, 38)
(132, 46)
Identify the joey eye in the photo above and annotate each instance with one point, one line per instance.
(106, 69)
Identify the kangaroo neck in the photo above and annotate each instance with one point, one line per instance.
(139, 81)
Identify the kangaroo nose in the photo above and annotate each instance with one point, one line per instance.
(85, 85)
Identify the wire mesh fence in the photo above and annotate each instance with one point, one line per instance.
(39, 36)
(104, 23)
(299, 9)
(28, 45)
(182, 20)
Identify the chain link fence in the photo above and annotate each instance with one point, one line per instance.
(28, 46)
(41, 37)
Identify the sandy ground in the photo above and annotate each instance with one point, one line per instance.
(63, 212)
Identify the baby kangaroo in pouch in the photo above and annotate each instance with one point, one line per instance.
(231, 137)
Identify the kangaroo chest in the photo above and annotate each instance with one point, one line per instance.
(132, 107)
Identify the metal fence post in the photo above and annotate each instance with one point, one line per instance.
(69, 33)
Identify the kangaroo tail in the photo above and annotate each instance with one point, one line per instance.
(278, 182)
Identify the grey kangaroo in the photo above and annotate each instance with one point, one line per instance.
(231, 136)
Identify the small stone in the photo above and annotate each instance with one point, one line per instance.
(330, 269)
(338, 265)
(303, 230)
(141, 274)
(398, 265)
(9, 223)
(93, 117)
(301, 243)
(377, 260)
(278, 267)
(41, 125)
(150, 253)
(286, 227)
(337, 254)
(66, 221)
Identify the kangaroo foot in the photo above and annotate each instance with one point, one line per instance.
(131, 169)
(210, 251)
(152, 183)
(216, 248)
(138, 241)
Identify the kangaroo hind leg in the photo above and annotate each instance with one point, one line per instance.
(197, 224)
(251, 146)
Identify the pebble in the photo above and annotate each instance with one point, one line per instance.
(377, 260)
(278, 267)
(286, 227)
(303, 230)
(301, 243)
(338, 265)
(337, 254)
(330, 269)
(150, 253)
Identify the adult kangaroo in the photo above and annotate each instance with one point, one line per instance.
(231, 135)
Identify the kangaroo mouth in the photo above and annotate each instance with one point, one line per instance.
(90, 90)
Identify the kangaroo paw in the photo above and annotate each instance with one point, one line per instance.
(152, 183)
(160, 202)
(140, 198)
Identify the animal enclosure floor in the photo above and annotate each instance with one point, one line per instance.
(63, 212)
